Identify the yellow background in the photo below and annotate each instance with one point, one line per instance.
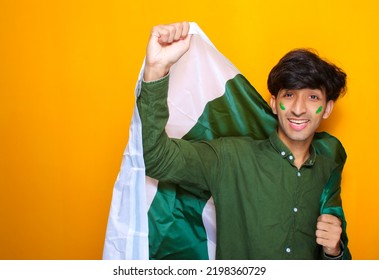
(67, 74)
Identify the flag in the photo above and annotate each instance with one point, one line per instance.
(208, 98)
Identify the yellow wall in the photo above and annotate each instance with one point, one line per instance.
(67, 75)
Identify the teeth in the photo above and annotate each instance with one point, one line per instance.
(298, 121)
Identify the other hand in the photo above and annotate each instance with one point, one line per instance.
(328, 234)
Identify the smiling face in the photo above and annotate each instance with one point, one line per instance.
(299, 114)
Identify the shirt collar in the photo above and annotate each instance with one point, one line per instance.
(285, 153)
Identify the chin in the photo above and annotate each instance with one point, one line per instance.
(299, 137)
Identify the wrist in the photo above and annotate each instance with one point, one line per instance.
(152, 73)
(333, 254)
(337, 253)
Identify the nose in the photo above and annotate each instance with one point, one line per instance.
(299, 106)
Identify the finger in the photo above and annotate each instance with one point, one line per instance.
(163, 33)
(328, 227)
(160, 33)
(177, 31)
(322, 241)
(327, 235)
(322, 226)
(330, 241)
(322, 234)
(172, 28)
(327, 218)
(169, 33)
(327, 238)
(186, 27)
(326, 243)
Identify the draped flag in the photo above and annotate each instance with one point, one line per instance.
(208, 98)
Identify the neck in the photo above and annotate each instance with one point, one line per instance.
(299, 149)
(300, 154)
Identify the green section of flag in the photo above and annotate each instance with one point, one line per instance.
(241, 111)
(176, 229)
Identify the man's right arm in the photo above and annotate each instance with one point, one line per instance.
(153, 111)
(193, 165)
(169, 159)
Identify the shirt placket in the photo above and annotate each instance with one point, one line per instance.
(289, 248)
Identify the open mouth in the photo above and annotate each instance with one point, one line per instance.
(298, 124)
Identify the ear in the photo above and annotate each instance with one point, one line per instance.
(328, 109)
(273, 104)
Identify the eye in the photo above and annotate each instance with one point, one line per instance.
(287, 94)
(314, 97)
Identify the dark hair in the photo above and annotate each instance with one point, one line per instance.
(303, 68)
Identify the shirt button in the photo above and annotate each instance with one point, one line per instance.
(290, 157)
(283, 153)
(288, 250)
(295, 209)
(298, 174)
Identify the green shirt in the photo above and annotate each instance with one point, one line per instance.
(265, 207)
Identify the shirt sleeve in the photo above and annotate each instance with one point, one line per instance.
(339, 257)
(193, 165)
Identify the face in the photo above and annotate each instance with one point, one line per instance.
(299, 114)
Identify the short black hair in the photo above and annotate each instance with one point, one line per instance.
(303, 68)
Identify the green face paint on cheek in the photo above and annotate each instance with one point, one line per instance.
(282, 106)
(319, 110)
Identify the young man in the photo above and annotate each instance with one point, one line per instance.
(266, 192)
